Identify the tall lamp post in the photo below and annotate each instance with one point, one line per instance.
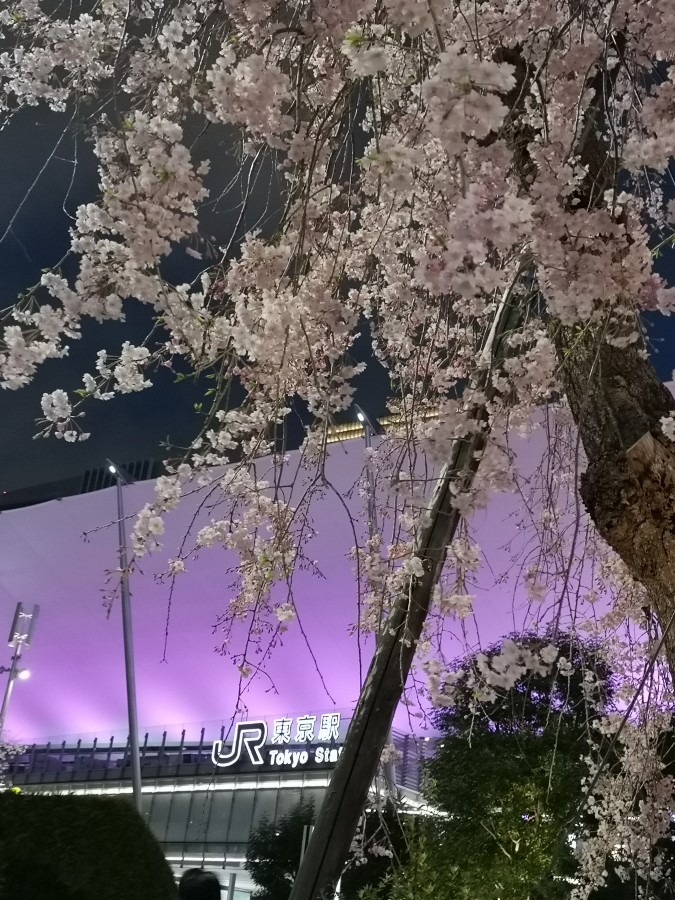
(121, 478)
(372, 427)
(20, 637)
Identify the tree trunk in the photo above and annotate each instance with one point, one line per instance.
(617, 401)
(357, 766)
(628, 487)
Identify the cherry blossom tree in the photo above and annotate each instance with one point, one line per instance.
(475, 186)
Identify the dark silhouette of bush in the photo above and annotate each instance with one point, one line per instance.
(273, 853)
(65, 847)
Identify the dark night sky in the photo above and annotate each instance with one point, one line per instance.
(39, 194)
(129, 427)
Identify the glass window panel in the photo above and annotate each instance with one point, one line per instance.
(199, 816)
(159, 814)
(242, 812)
(267, 776)
(221, 807)
(178, 817)
(315, 796)
(288, 800)
(265, 807)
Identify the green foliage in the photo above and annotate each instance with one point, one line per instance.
(78, 848)
(508, 772)
(506, 778)
(427, 874)
(509, 798)
(273, 853)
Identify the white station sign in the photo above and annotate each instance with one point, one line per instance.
(250, 742)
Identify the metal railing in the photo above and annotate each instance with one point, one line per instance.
(110, 761)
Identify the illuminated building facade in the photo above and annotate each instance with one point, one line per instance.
(218, 753)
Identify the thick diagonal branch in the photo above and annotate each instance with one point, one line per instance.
(357, 767)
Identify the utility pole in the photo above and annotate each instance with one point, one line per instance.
(123, 478)
(372, 428)
(20, 637)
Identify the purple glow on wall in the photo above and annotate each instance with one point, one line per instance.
(77, 688)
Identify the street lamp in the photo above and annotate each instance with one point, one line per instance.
(370, 425)
(122, 477)
(21, 674)
(20, 638)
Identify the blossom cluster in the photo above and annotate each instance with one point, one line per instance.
(631, 808)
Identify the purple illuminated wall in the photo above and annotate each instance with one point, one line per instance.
(77, 683)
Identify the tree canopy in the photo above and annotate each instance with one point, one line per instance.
(274, 850)
(507, 781)
(476, 188)
(509, 771)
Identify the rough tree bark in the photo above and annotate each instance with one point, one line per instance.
(628, 487)
(617, 400)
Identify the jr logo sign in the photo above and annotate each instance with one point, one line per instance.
(249, 740)
(251, 735)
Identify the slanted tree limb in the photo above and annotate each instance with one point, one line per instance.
(385, 682)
